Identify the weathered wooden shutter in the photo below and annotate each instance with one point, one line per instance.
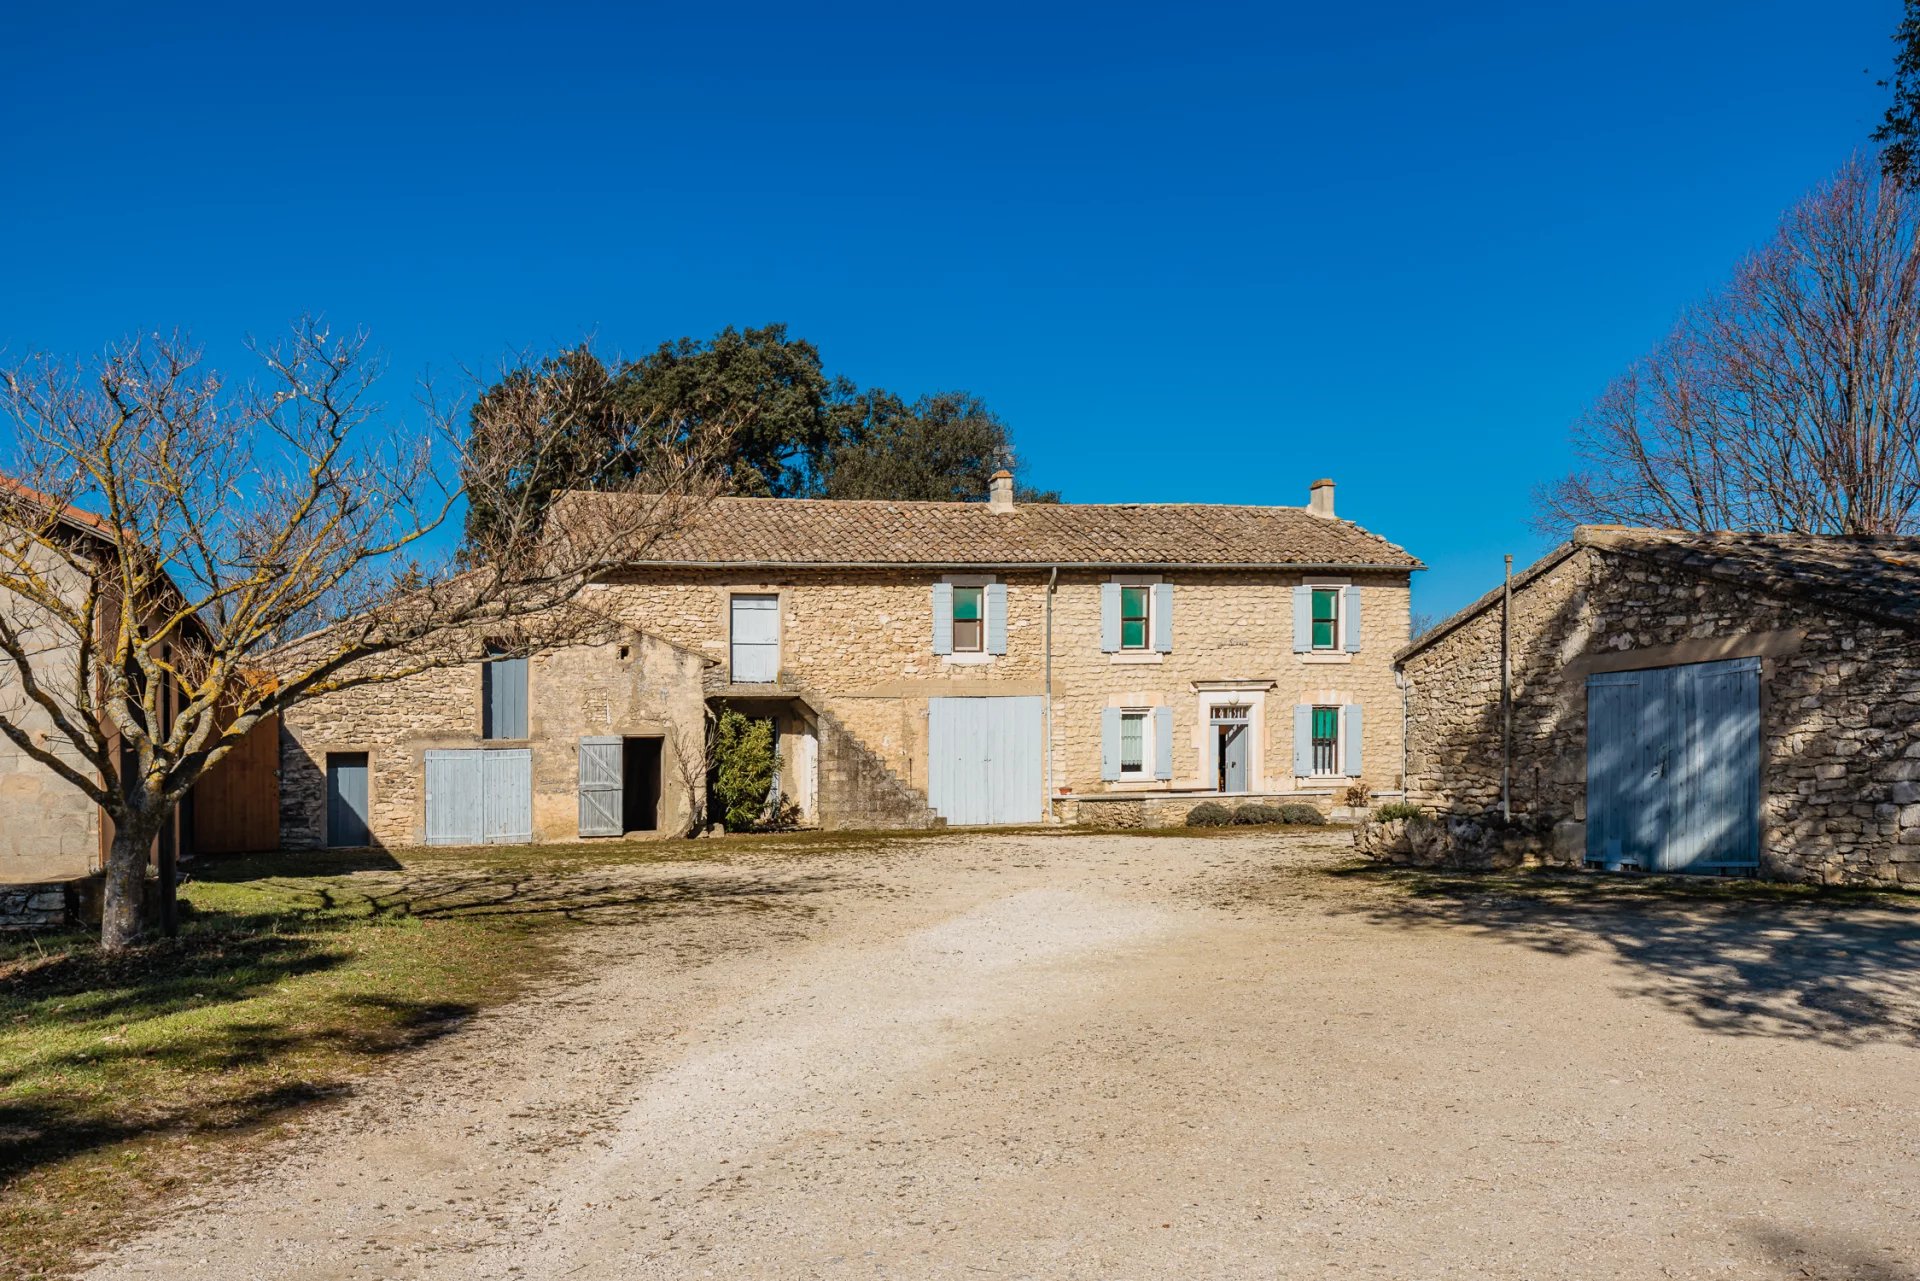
(1350, 613)
(1110, 618)
(602, 798)
(1110, 743)
(996, 618)
(756, 639)
(1350, 747)
(943, 618)
(1302, 620)
(505, 703)
(1303, 739)
(1163, 742)
(1163, 617)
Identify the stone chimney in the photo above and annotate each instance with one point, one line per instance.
(1000, 491)
(1320, 499)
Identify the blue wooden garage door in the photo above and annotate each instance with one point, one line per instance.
(476, 796)
(1673, 767)
(983, 759)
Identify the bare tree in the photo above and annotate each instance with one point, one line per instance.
(165, 532)
(1790, 400)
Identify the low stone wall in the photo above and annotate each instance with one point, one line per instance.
(35, 907)
(1468, 842)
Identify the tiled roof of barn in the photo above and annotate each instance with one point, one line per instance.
(1875, 576)
(796, 531)
(1871, 577)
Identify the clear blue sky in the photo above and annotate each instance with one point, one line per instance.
(1189, 252)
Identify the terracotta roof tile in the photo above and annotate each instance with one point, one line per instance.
(792, 531)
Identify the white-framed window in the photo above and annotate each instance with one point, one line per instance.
(1328, 608)
(969, 618)
(1136, 742)
(1325, 742)
(1136, 617)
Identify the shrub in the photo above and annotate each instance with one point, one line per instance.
(1209, 814)
(743, 767)
(1358, 794)
(1298, 812)
(1258, 812)
(1393, 810)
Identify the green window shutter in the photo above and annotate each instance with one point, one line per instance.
(1163, 617)
(943, 618)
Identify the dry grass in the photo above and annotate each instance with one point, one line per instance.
(125, 1081)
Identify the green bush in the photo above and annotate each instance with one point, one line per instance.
(1257, 813)
(744, 764)
(1298, 812)
(1209, 814)
(1393, 810)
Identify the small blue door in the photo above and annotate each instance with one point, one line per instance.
(347, 799)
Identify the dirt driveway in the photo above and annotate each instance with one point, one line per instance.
(1106, 1057)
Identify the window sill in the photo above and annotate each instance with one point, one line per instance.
(1144, 657)
(968, 659)
(1334, 658)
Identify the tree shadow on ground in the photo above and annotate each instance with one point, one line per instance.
(78, 1082)
(1842, 972)
(1802, 1254)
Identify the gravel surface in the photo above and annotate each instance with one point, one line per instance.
(1118, 1057)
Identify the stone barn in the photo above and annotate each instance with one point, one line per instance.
(1681, 702)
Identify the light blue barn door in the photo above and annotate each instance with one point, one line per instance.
(347, 815)
(984, 759)
(1673, 767)
(475, 796)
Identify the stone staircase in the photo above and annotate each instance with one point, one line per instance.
(857, 790)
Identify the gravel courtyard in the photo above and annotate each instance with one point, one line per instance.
(1117, 1057)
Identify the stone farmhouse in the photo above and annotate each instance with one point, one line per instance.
(1685, 702)
(923, 663)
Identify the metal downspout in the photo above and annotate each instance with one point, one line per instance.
(1053, 581)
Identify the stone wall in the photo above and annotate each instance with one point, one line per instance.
(48, 829)
(1840, 703)
(34, 907)
(631, 685)
(859, 644)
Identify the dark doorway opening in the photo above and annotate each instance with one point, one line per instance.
(640, 785)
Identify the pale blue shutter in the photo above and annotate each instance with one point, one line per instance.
(996, 618)
(1110, 618)
(1350, 749)
(1303, 739)
(1302, 620)
(943, 618)
(1350, 611)
(1163, 742)
(505, 698)
(1110, 743)
(1163, 617)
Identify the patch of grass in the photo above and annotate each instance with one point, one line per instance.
(123, 1080)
